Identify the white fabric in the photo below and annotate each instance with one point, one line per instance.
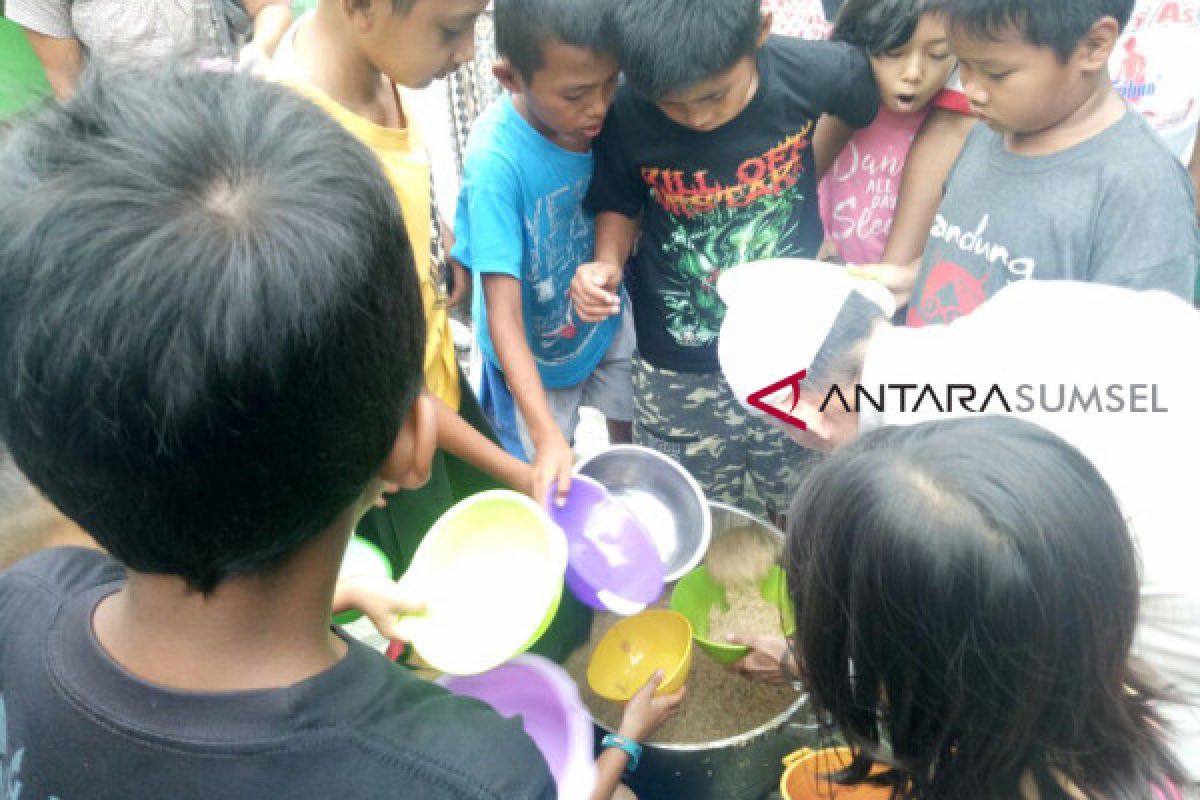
(782, 306)
(125, 32)
(1156, 67)
(1087, 334)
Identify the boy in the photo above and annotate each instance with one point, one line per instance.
(709, 146)
(352, 59)
(213, 352)
(1063, 181)
(522, 230)
(28, 524)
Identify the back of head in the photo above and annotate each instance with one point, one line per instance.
(879, 26)
(209, 318)
(523, 27)
(1059, 25)
(979, 577)
(666, 46)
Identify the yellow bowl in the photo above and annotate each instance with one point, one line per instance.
(804, 777)
(634, 648)
(491, 574)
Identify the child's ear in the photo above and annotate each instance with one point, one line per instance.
(361, 13)
(407, 466)
(508, 76)
(768, 19)
(1098, 44)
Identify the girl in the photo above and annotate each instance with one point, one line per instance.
(966, 591)
(910, 55)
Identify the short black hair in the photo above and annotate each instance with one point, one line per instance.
(967, 591)
(879, 26)
(1059, 25)
(839, 359)
(210, 326)
(523, 27)
(666, 46)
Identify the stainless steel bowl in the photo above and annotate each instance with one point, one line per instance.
(663, 496)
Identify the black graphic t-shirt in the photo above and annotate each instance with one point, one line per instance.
(712, 200)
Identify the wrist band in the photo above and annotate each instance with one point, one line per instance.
(629, 746)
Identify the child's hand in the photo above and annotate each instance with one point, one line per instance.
(380, 599)
(645, 713)
(595, 291)
(770, 659)
(898, 278)
(552, 465)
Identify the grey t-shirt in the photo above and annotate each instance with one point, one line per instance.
(1116, 209)
(126, 32)
(74, 724)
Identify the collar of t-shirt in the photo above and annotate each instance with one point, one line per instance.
(237, 720)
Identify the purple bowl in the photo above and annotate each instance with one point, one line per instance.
(547, 702)
(612, 561)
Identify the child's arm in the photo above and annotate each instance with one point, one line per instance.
(595, 289)
(456, 436)
(933, 154)
(62, 60)
(272, 18)
(642, 717)
(553, 457)
(379, 598)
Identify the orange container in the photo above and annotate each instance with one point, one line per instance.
(802, 780)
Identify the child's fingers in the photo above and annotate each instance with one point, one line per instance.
(564, 484)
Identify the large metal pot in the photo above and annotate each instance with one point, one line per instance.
(743, 767)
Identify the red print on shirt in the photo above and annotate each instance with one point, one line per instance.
(950, 292)
(698, 193)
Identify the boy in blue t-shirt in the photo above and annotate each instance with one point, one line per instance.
(522, 230)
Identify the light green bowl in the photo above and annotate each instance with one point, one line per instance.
(696, 594)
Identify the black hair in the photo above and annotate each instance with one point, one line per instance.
(523, 27)
(665, 46)
(967, 591)
(1059, 25)
(210, 326)
(879, 26)
(839, 358)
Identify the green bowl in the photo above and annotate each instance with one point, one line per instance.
(696, 594)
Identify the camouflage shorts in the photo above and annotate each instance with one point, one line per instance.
(696, 420)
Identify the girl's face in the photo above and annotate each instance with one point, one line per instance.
(909, 76)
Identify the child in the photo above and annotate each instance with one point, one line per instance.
(352, 58)
(1062, 181)
(911, 58)
(974, 607)
(707, 153)
(213, 348)
(522, 231)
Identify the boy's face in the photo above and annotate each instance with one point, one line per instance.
(713, 102)
(427, 41)
(911, 75)
(569, 96)
(1018, 88)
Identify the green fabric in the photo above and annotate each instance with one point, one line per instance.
(23, 83)
(399, 528)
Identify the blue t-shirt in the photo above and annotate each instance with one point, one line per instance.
(520, 213)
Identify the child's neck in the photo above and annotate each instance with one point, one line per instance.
(265, 631)
(333, 64)
(568, 143)
(1100, 110)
